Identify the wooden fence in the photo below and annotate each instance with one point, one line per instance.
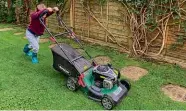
(106, 25)
(101, 24)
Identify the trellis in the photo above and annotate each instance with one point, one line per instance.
(103, 24)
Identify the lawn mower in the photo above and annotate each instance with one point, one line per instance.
(100, 82)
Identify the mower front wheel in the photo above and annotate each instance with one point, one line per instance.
(107, 102)
(72, 84)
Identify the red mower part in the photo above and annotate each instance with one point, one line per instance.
(52, 39)
(80, 80)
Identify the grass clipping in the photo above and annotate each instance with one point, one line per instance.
(102, 60)
(43, 40)
(18, 33)
(133, 73)
(175, 92)
(6, 29)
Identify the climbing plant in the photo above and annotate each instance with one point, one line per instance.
(101, 2)
(150, 20)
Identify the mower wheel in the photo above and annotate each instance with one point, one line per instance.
(107, 102)
(72, 84)
(126, 84)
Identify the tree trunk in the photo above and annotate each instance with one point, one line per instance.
(27, 10)
(9, 5)
(17, 12)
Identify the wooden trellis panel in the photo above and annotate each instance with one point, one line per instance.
(106, 18)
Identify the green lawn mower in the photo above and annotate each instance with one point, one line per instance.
(100, 82)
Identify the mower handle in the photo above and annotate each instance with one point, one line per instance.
(43, 13)
(71, 33)
(57, 12)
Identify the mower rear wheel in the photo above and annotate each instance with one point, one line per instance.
(107, 102)
(72, 84)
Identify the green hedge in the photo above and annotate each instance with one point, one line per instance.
(3, 11)
(7, 15)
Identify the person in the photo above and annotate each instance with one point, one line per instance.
(35, 30)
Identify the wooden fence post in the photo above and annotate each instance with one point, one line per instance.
(72, 14)
(106, 38)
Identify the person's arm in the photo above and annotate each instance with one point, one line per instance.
(55, 9)
(37, 14)
(49, 13)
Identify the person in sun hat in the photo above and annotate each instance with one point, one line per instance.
(35, 30)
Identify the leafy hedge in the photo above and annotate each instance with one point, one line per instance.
(3, 10)
(7, 15)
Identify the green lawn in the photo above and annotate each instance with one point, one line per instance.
(24, 85)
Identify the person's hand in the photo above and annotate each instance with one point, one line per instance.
(72, 35)
(55, 9)
(50, 9)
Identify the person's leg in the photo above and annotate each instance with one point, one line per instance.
(38, 38)
(28, 47)
(34, 44)
(26, 50)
